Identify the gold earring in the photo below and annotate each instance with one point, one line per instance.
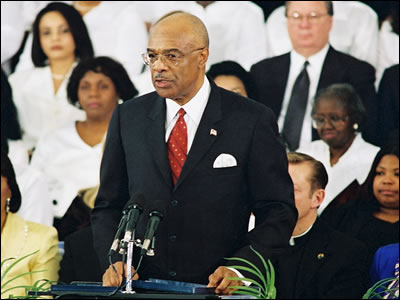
(8, 205)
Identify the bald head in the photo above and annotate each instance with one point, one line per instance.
(185, 23)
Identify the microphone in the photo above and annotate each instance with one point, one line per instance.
(121, 225)
(133, 216)
(154, 219)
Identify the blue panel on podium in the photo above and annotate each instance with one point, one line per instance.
(158, 285)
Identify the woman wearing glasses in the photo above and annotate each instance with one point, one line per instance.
(337, 115)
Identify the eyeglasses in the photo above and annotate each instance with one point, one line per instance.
(169, 57)
(336, 120)
(313, 17)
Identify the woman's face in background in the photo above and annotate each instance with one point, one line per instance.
(386, 182)
(56, 38)
(97, 95)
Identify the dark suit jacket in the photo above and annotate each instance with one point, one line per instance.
(206, 213)
(332, 266)
(271, 77)
(388, 106)
(80, 262)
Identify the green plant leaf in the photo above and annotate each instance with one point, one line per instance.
(250, 271)
(3, 275)
(15, 287)
(265, 266)
(269, 290)
(247, 279)
(246, 262)
(371, 292)
(18, 276)
(247, 294)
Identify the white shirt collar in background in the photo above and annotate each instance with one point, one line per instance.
(314, 68)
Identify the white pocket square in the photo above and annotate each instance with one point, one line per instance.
(225, 161)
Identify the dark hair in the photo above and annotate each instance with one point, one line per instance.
(10, 128)
(348, 97)
(83, 44)
(233, 68)
(107, 66)
(367, 190)
(7, 171)
(328, 4)
(319, 177)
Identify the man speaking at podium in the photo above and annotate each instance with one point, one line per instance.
(203, 157)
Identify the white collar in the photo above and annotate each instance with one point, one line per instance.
(194, 108)
(315, 61)
(292, 242)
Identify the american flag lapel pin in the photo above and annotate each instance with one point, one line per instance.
(213, 132)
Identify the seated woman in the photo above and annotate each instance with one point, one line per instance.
(20, 238)
(233, 77)
(70, 157)
(337, 115)
(374, 217)
(60, 38)
(37, 204)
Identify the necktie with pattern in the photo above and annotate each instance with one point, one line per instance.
(177, 146)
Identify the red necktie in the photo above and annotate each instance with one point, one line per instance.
(177, 146)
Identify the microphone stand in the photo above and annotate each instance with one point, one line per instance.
(129, 278)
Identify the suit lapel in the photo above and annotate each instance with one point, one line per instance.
(282, 76)
(156, 139)
(313, 258)
(203, 139)
(332, 70)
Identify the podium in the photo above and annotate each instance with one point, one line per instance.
(147, 289)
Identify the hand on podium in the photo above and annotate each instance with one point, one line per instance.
(110, 278)
(219, 280)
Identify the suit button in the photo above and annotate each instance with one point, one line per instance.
(174, 203)
(172, 273)
(172, 238)
(55, 202)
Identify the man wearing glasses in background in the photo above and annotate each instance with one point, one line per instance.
(204, 157)
(288, 83)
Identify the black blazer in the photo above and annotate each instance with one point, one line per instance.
(271, 77)
(333, 266)
(80, 262)
(388, 106)
(206, 214)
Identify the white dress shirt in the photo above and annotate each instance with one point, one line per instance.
(314, 69)
(354, 31)
(194, 111)
(39, 109)
(116, 30)
(235, 28)
(354, 164)
(36, 202)
(68, 164)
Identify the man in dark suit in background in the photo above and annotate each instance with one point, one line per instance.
(288, 83)
(322, 263)
(233, 160)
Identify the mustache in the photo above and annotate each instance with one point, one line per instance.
(161, 77)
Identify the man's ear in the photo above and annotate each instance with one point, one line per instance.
(203, 57)
(317, 198)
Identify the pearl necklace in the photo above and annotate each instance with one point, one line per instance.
(58, 76)
(12, 259)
